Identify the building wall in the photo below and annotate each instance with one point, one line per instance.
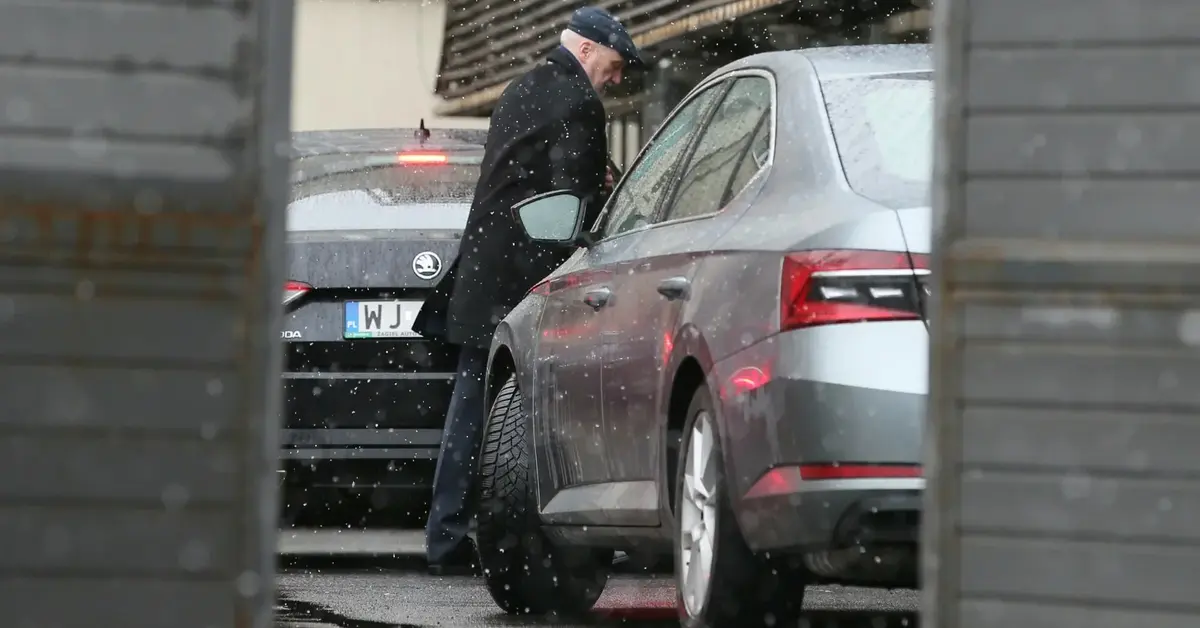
(368, 63)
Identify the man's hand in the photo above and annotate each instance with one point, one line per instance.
(608, 179)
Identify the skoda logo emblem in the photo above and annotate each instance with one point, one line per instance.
(427, 265)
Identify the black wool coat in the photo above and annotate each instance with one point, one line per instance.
(547, 133)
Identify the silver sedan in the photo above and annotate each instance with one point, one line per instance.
(732, 366)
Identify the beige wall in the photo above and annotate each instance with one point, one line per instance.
(368, 63)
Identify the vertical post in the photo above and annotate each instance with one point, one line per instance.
(633, 140)
(1063, 477)
(143, 160)
(662, 94)
(939, 537)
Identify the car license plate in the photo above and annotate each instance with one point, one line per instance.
(381, 319)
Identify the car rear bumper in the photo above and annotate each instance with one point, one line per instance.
(357, 475)
(378, 486)
(355, 429)
(845, 404)
(837, 394)
(361, 444)
(836, 513)
(864, 531)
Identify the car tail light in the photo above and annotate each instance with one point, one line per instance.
(846, 286)
(423, 158)
(293, 290)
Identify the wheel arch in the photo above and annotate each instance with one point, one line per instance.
(501, 366)
(688, 366)
(513, 345)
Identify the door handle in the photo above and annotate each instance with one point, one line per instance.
(597, 298)
(674, 288)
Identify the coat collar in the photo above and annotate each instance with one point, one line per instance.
(564, 58)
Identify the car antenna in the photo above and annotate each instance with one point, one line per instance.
(422, 132)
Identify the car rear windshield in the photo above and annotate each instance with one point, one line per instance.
(883, 126)
(411, 196)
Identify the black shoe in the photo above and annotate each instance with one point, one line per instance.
(461, 562)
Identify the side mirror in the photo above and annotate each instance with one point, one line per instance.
(551, 217)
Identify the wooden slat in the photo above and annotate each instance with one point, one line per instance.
(152, 542)
(1070, 80)
(128, 602)
(1081, 503)
(524, 39)
(1012, 23)
(522, 10)
(981, 611)
(1096, 572)
(654, 29)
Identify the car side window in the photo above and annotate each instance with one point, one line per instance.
(643, 187)
(753, 160)
(720, 148)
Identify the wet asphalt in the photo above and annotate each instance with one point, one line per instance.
(377, 580)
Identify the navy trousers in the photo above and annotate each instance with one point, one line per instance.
(450, 511)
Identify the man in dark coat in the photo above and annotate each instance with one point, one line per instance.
(547, 133)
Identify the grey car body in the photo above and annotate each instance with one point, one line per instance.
(820, 425)
(375, 215)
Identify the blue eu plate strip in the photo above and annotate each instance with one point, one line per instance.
(352, 329)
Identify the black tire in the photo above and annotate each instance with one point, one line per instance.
(525, 573)
(745, 591)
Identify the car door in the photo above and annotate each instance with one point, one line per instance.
(655, 288)
(567, 383)
(572, 354)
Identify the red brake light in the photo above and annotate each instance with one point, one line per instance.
(846, 286)
(787, 480)
(423, 158)
(293, 290)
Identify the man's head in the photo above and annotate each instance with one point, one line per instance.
(601, 45)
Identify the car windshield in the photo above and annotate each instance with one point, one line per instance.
(433, 196)
(883, 127)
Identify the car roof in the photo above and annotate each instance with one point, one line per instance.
(374, 141)
(838, 62)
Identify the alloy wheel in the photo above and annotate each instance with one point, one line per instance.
(698, 516)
